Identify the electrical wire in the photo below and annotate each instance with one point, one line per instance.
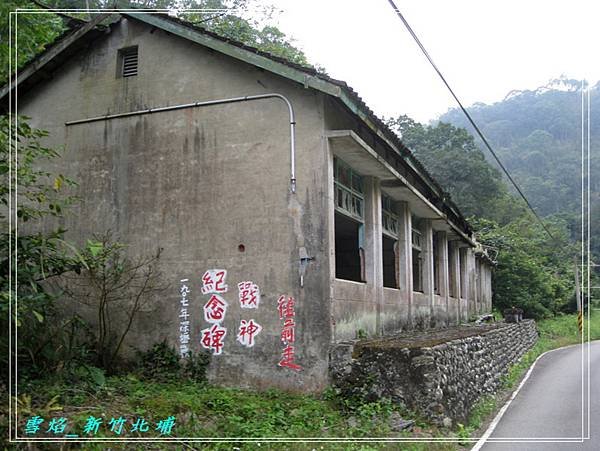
(464, 110)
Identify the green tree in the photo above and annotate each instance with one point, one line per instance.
(451, 156)
(34, 33)
(115, 288)
(532, 272)
(228, 18)
(28, 259)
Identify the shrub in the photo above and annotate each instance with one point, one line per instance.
(159, 363)
(162, 363)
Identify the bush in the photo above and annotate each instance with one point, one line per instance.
(195, 366)
(116, 288)
(162, 363)
(34, 195)
(532, 273)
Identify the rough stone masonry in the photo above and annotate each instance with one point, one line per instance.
(438, 378)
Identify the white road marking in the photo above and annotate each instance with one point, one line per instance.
(504, 408)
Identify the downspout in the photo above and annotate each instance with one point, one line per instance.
(210, 103)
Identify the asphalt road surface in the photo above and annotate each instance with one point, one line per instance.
(548, 413)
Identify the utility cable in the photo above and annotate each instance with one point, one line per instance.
(464, 110)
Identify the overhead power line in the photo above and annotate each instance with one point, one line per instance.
(464, 110)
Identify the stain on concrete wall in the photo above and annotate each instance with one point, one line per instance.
(211, 187)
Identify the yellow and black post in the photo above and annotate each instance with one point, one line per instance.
(578, 296)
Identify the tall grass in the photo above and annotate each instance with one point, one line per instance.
(554, 333)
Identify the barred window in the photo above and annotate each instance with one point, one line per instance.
(417, 256)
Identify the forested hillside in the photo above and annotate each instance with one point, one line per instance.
(537, 135)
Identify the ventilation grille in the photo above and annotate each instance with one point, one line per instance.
(130, 63)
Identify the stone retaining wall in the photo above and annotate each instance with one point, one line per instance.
(440, 382)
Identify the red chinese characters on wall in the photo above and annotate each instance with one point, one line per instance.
(247, 331)
(287, 313)
(215, 309)
(288, 331)
(248, 295)
(214, 285)
(213, 281)
(213, 338)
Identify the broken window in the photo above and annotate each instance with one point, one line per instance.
(349, 222)
(452, 271)
(417, 256)
(463, 271)
(389, 220)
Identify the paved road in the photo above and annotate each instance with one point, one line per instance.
(549, 406)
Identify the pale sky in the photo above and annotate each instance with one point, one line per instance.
(484, 48)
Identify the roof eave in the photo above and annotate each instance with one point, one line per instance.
(50, 54)
(297, 75)
(291, 71)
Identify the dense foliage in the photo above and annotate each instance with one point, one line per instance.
(537, 134)
(247, 21)
(34, 255)
(456, 163)
(534, 272)
(34, 33)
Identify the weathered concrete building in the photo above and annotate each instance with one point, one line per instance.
(289, 222)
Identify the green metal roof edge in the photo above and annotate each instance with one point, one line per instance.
(333, 88)
(238, 53)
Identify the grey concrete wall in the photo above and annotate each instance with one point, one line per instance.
(443, 301)
(198, 183)
(453, 306)
(395, 314)
(353, 309)
(392, 310)
(486, 272)
(421, 310)
(201, 182)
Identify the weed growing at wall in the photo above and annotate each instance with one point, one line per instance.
(162, 363)
(115, 288)
(34, 196)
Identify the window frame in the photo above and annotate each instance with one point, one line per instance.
(389, 216)
(352, 194)
(417, 248)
